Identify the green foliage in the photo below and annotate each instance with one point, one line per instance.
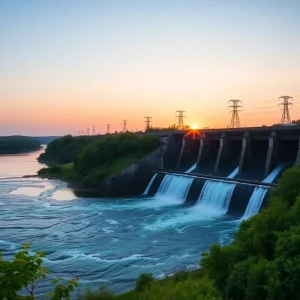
(144, 282)
(289, 186)
(263, 262)
(24, 272)
(64, 150)
(18, 144)
(284, 280)
(190, 289)
(94, 161)
(181, 275)
(102, 294)
(112, 147)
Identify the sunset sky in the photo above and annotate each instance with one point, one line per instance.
(66, 65)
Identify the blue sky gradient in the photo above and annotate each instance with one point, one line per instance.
(68, 65)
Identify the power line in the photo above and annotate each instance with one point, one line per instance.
(147, 121)
(124, 125)
(107, 128)
(285, 118)
(180, 118)
(235, 109)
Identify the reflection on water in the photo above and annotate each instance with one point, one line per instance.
(33, 190)
(13, 165)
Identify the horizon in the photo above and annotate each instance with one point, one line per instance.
(69, 65)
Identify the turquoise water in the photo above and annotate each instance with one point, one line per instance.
(104, 241)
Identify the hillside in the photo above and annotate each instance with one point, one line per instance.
(89, 162)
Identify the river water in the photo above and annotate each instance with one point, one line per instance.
(104, 241)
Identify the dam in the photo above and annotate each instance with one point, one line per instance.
(230, 171)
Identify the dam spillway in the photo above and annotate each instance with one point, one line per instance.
(223, 196)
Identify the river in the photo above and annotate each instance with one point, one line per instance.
(103, 241)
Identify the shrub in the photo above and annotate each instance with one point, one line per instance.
(190, 289)
(144, 282)
(102, 294)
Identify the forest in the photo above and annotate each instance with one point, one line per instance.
(18, 144)
(90, 161)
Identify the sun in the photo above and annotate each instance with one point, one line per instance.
(194, 126)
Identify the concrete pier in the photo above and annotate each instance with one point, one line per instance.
(223, 151)
(272, 155)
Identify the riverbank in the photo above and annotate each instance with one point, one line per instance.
(90, 163)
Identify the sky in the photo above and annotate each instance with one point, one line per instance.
(68, 65)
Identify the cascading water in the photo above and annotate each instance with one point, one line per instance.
(149, 184)
(175, 187)
(272, 176)
(192, 168)
(216, 195)
(259, 194)
(233, 173)
(255, 202)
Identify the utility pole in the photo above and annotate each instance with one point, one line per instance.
(87, 131)
(107, 128)
(285, 118)
(180, 118)
(235, 109)
(94, 127)
(124, 125)
(147, 121)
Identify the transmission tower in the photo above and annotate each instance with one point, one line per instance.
(107, 128)
(124, 125)
(87, 131)
(235, 109)
(285, 118)
(147, 121)
(94, 127)
(180, 118)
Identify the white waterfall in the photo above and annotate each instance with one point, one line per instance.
(234, 173)
(216, 195)
(192, 168)
(271, 177)
(149, 184)
(175, 187)
(255, 202)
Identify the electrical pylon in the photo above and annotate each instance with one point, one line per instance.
(88, 131)
(94, 132)
(180, 118)
(285, 118)
(107, 128)
(235, 109)
(147, 121)
(124, 125)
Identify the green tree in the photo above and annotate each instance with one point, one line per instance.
(144, 282)
(284, 279)
(24, 272)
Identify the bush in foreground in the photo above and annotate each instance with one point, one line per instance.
(22, 274)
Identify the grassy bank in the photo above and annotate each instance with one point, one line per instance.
(89, 162)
